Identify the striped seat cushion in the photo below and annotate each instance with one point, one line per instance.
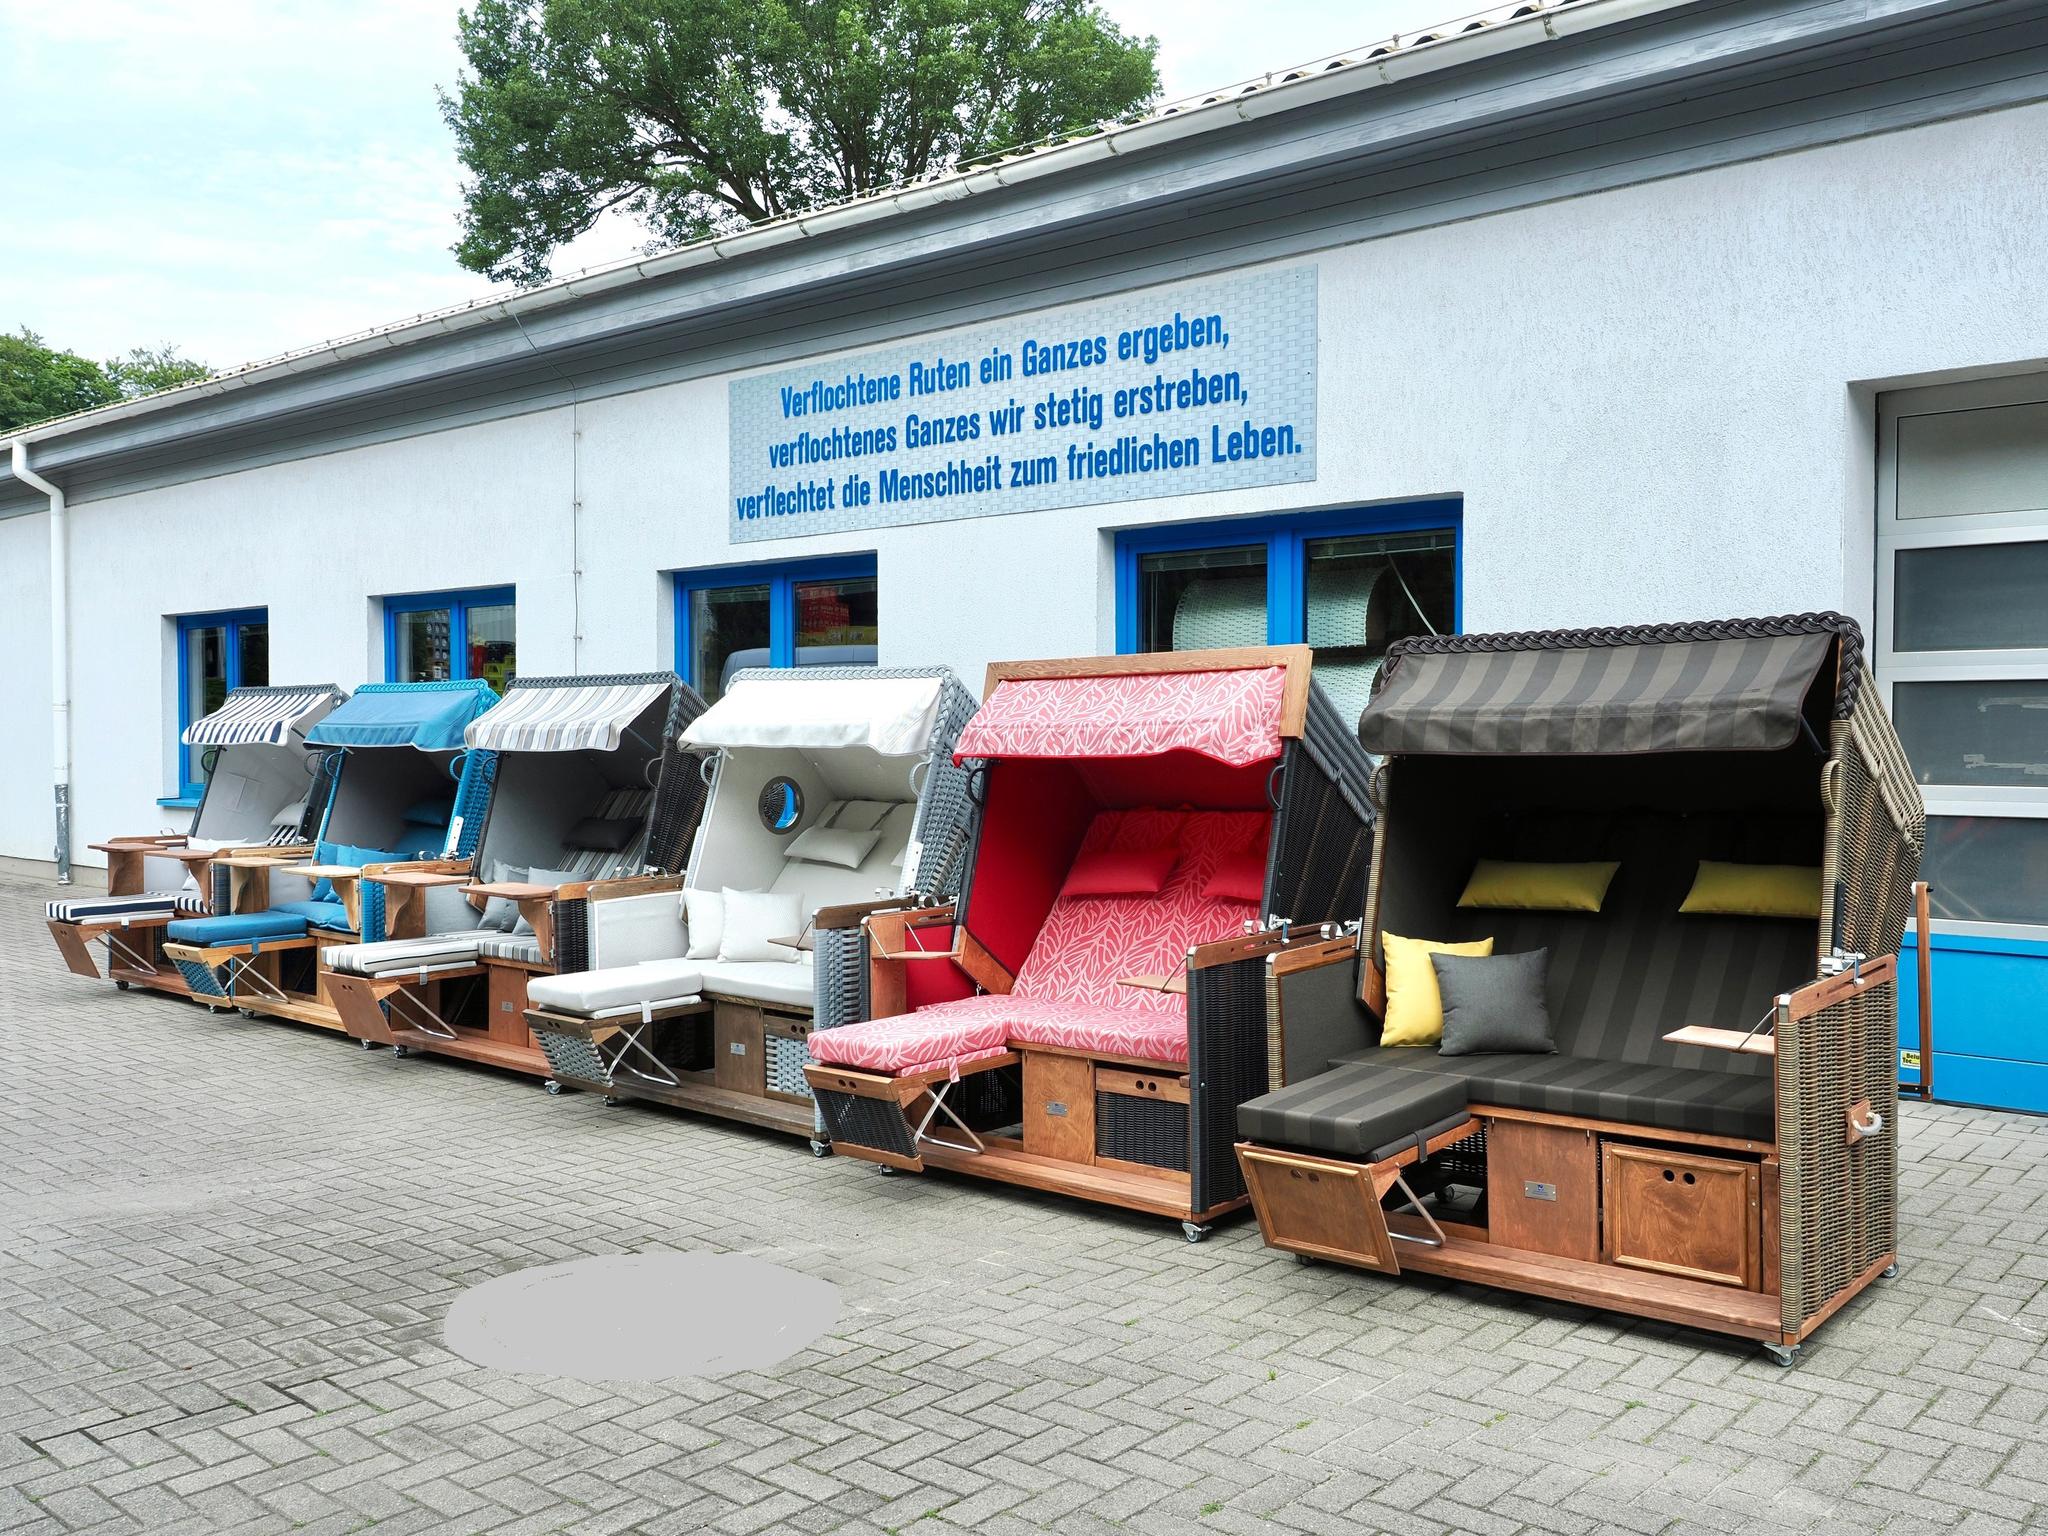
(393, 957)
(1356, 1111)
(1732, 1101)
(80, 909)
(509, 946)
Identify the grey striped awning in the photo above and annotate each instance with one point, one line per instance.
(1739, 693)
(263, 716)
(564, 716)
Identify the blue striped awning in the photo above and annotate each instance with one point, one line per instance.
(263, 716)
(429, 716)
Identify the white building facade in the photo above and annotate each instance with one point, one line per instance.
(1611, 312)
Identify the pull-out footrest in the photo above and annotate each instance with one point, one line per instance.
(593, 1026)
(215, 954)
(886, 1118)
(1364, 1127)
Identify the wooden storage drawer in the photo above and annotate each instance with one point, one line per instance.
(1543, 1188)
(1681, 1213)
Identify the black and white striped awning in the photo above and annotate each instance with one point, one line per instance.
(1723, 693)
(564, 716)
(263, 716)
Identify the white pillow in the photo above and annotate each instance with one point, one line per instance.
(704, 914)
(861, 815)
(832, 845)
(752, 918)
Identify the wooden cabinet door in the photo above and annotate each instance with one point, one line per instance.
(1543, 1188)
(1059, 1106)
(1682, 1213)
(736, 1048)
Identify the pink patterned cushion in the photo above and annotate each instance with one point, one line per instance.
(1233, 717)
(914, 1042)
(950, 1035)
(1088, 943)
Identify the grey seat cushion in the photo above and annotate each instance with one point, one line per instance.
(87, 908)
(509, 946)
(1357, 1111)
(1702, 1099)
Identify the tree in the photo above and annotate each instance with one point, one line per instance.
(701, 116)
(145, 370)
(38, 382)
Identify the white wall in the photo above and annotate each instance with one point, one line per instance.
(27, 817)
(1654, 402)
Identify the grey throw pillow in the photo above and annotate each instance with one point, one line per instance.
(1494, 1003)
(500, 913)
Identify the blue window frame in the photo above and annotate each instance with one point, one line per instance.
(1348, 582)
(792, 613)
(217, 653)
(434, 637)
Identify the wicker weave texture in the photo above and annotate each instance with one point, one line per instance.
(572, 936)
(873, 1123)
(1226, 1066)
(201, 979)
(782, 1066)
(1135, 1130)
(1838, 1204)
(572, 1058)
(839, 970)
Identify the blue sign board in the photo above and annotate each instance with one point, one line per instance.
(1200, 387)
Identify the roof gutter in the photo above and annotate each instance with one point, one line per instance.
(60, 650)
(1216, 110)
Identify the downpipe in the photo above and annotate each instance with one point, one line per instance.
(60, 652)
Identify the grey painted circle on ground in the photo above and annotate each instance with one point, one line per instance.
(641, 1317)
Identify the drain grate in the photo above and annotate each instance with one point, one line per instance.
(642, 1317)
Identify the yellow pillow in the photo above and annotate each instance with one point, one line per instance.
(1538, 887)
(1415, 1008)
(1755, 890)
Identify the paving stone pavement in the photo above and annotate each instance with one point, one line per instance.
(227, 1247)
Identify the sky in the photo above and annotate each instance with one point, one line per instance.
(240, 178)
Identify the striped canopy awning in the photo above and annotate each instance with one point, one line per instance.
(263, 716)
(565, 715)
(428, 716)
(1733, 694)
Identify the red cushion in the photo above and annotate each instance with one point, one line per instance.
(1107, 1031)
(1240, 876)
(1120, 872)
(1086, 946)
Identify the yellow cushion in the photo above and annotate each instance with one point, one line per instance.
(1538, 887)
(1415, 1008)
(1755, 890)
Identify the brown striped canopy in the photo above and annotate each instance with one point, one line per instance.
(1733, 693)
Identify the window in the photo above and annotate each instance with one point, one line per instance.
(436, 637)
(812, 613)
(1961, 642)
(217, 653)
(1349, 584)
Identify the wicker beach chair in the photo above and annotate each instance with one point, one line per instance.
(1712, 1140)
(865, 751)
(1048, 1031)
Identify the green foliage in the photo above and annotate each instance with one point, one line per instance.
(145, 370)
(38, 382)
(700, 116)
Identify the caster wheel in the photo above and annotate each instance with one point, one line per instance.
(1193, 1231)
(1303, 1258)
(1782, 1355)
(820, 1148)
(610, 1102)
(121, 986)
(368, 1045)
(247, 1013)
(552, 1086)
(885, 1170)
(399, 1050)
(1891, 1271)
